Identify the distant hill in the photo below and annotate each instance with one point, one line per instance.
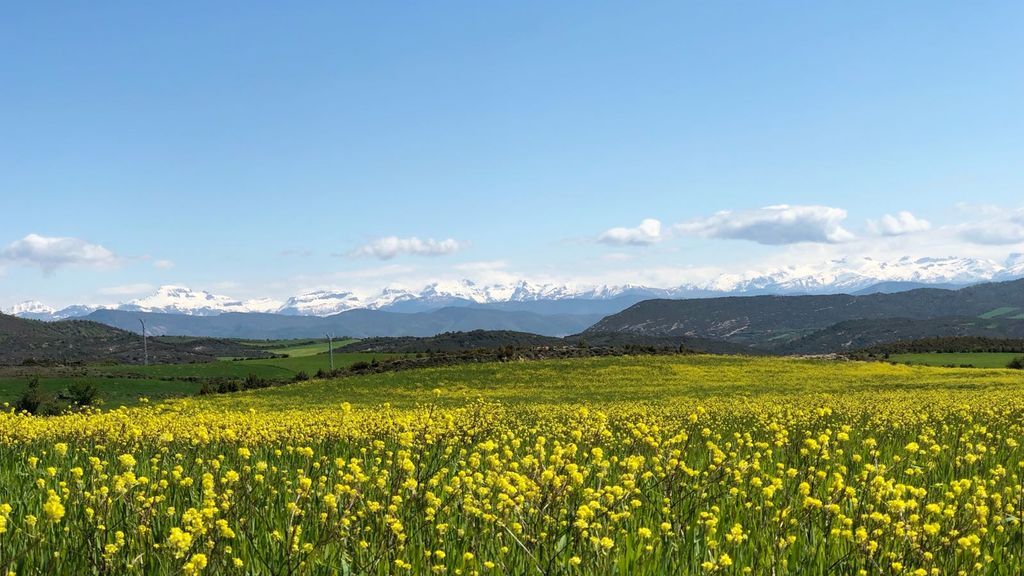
(897, 286)
(496, 339)
(853, 335)
(946, 344)
(790, 323)
(454, 342)
(354, 323)
(622, 339)
(24, 341)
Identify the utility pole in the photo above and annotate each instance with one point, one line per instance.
(145, 348)
(330, 347)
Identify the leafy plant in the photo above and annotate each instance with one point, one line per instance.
(83, 393)
(34, 400)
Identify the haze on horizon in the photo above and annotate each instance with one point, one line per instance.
(264, 151)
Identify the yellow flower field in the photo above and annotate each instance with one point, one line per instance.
(638, 465)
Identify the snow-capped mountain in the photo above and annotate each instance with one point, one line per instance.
(849, 275)
(32, 309)
(36, 310)
(321, 303)
(182, 300)
(1014, 266)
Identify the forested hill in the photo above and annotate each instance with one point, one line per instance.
(775, 322)
(25, 341)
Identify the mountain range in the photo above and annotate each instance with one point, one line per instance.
(848, 275)
(359, 323)
(773, 324)
(829, 323)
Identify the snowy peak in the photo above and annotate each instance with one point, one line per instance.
(182, 300)
(36, 310)
(1014, 266)
(29, 307)
(846, 275)
(320, 303)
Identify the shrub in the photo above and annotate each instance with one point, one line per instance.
(34, 400)
(301, 376)
(83, 393)
(1016, 363)
(253, 382)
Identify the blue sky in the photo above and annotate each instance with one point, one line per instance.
(263, 149)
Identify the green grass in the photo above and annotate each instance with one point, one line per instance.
(310, 349)
(1003, 311)
(277, 368)
(125, 384)
(113, 391)
(976, 359)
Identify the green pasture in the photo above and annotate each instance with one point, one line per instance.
(975, 359)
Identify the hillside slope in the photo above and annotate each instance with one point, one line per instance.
(776, 322)
(355, 323)
(79, 341)
(858, 334)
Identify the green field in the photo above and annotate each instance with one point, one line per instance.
(631, 465)
(975, 359)
(113, 391)
(125, 384)
(303, 347)
(1002, 311)
(277, 368)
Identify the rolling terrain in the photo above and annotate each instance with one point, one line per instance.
(359, 323)
(655, 465)
(80, 341)
(830, 323)
(490, 340)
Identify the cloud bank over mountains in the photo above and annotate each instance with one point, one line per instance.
(781, 247)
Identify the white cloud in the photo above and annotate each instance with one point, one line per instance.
(774, 225)
(52, 252)
(163, 264)
(899, 224)
(648, 232)
(997, 227)
(392, 246)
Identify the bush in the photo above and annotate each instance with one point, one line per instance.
(34, 400)
(252, 382)
(301, 376)
(83, 393)
(1016, 363)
